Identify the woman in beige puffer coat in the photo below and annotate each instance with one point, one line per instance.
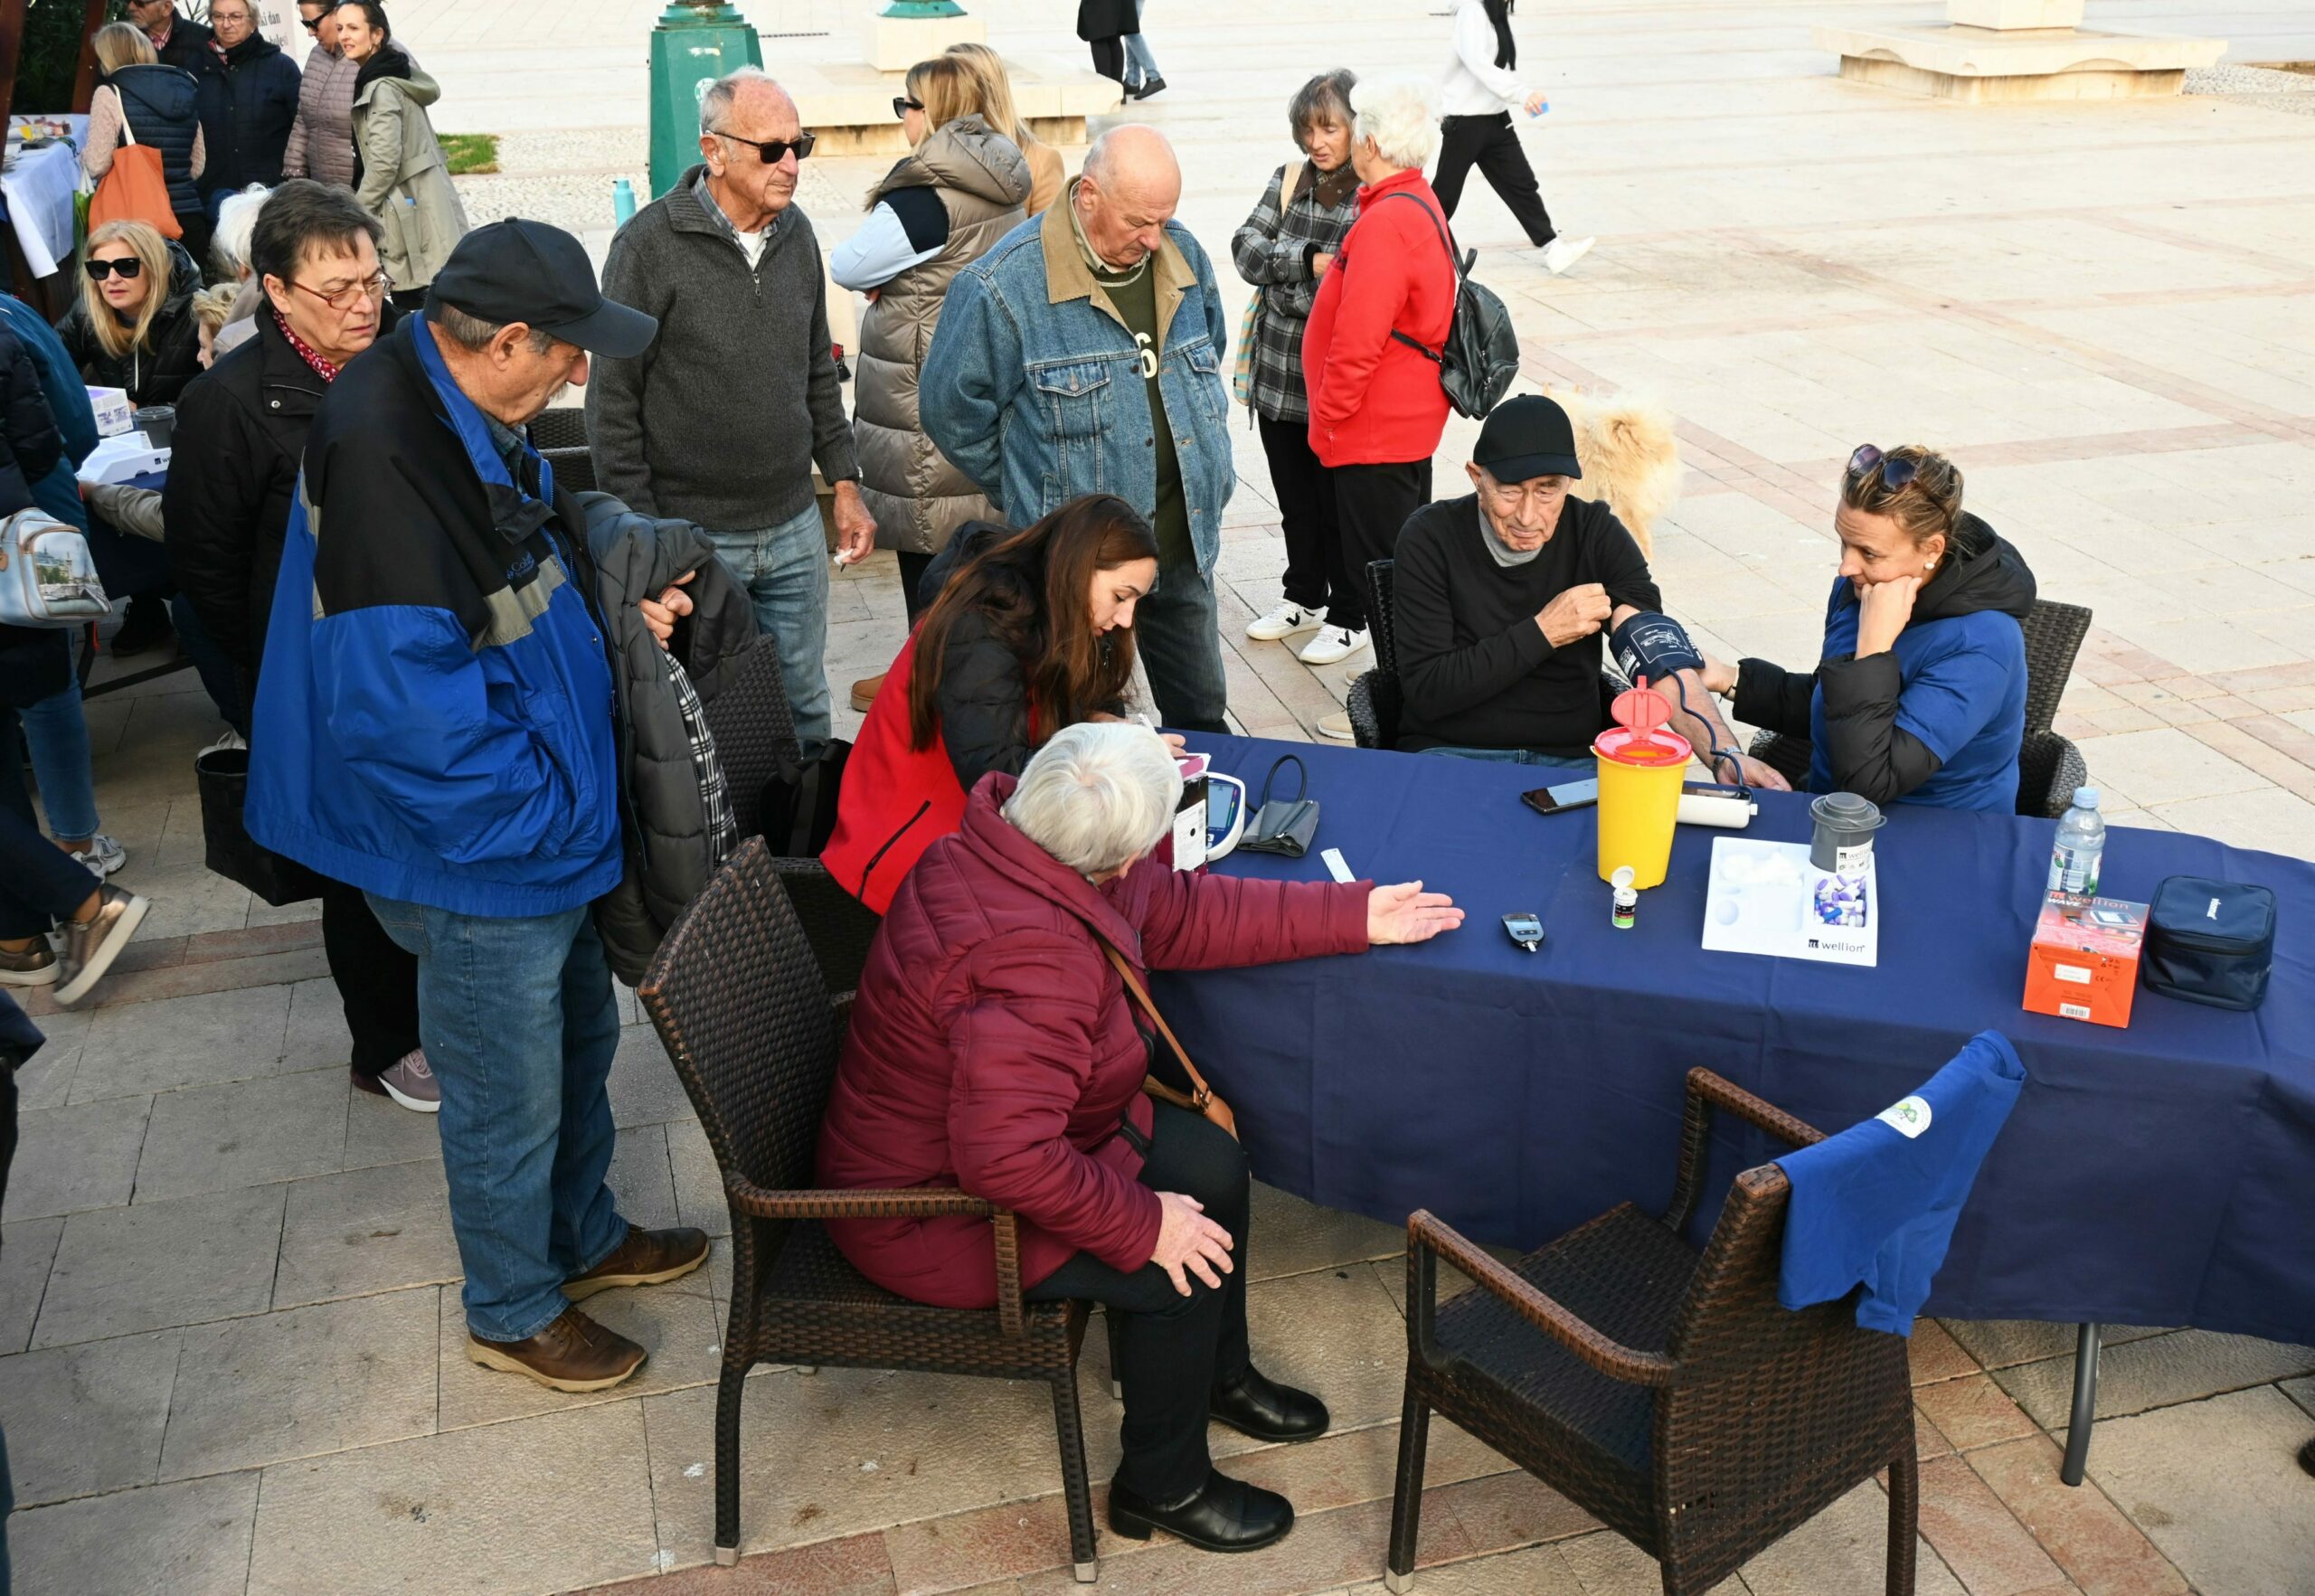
(400, 174)
(942, 207)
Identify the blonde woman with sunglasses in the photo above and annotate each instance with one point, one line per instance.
(133, 326)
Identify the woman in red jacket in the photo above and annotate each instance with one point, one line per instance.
(993, 1047)
(1383, 311)
(1032, 631)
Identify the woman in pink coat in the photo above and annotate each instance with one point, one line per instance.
(993, 1046)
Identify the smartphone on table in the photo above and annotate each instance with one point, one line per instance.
(1567, 795)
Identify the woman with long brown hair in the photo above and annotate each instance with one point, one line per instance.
(1032, 631)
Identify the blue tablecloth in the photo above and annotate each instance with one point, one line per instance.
(2161, 1174)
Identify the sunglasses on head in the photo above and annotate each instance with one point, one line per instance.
(1895, 474)
(100, 270)
(902, 105)
(772, 151)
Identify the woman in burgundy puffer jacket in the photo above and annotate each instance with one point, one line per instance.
(993, 1047)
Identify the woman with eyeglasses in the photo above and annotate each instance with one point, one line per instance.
(133, 327)
(400, 174)
(942, 207)
(1920, 694)
(139, 101)
(233, 482)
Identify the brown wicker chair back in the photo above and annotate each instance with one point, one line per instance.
(755, 1045)
(754, 731)
(1776, 1414)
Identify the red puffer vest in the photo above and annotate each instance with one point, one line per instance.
(896, 800)
(992, 1046)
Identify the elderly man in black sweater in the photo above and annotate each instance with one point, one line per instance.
(721, 421)
(1500, 598)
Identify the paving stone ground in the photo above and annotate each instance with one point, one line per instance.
(230, 1353)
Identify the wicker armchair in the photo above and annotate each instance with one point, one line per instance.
(561, 435)
(1663, 1391)
(1375, 698)
(2049, 766)
(738, 1003)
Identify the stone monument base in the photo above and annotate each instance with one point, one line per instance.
(2003, 51)
(849, 104)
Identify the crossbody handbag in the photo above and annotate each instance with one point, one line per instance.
(1201, 1099)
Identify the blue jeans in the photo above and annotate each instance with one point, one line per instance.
(1518, 756)
(1141, 66)
(57, 732)
(519, 1027)
(1177, 630)
(785, 570)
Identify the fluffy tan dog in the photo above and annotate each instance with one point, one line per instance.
(1628, 455)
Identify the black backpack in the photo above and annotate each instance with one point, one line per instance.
(1481, 355)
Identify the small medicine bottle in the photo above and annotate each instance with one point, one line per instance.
(1626, 898)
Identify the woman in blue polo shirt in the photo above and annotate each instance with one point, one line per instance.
(1921, 693)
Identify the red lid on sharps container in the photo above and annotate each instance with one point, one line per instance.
(1640, 737)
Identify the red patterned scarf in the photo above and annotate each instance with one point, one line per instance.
(322, 369)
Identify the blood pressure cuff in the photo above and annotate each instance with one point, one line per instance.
(1653, 645)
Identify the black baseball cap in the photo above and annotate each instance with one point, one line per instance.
(528, 271)
(1526, 437)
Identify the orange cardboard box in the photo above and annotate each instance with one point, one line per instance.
(2083, 963)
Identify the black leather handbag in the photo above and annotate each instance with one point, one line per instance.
(1284, 826)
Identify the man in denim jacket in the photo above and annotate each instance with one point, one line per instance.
(1085, 355)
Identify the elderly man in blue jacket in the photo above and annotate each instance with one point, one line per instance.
(436, 725)
(1083, 355)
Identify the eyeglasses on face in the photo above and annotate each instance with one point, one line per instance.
(772, 151)
(902, 105)
(98, 271)
(372, 287)
(312, 24)
(1895, 474)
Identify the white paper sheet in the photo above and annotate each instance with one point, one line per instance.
(1766, 898)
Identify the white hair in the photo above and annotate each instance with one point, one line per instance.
(1401, 115)
(715, 101)
(236, 219)
(1098, 797)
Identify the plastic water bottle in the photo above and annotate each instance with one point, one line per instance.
(2081, 846)
(622, 202)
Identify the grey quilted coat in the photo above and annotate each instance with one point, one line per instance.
(918, 499)
(666, 841)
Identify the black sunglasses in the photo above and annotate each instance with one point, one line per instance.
(1895, 474)
(902, 105)
(312, 24)
(773, 150)
(100, 270)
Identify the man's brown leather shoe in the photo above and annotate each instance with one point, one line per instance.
(572, 1354)
(646, 1257)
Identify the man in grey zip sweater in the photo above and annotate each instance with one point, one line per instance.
(721, 421)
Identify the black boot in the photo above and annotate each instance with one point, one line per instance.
(1255, 1405)
(145, 626)
(1226, 1515)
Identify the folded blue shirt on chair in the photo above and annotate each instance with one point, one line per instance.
(1875, 1204)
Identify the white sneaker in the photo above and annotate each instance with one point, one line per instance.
(104, 855)
(1333, 645)
(1337, 726)
(232, 740)
(1562, 253)
(1283, 621)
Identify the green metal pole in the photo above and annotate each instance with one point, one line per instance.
(694, 43)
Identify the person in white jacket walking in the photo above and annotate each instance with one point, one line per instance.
(1476, 93)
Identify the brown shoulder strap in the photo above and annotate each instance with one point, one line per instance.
(1200, 1091)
